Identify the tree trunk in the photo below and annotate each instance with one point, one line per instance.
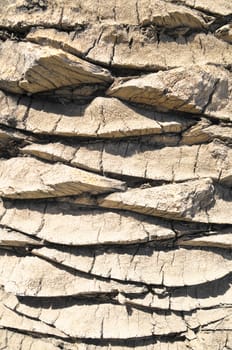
(116, 175)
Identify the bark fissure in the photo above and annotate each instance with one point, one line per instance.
(115, 175)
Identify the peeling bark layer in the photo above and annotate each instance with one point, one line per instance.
(44, 180)
(171, 164)
(173, 268)
(117, 46)
(197, 200)
(179, 89)
(115, 175)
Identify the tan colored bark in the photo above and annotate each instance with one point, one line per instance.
(225, 33)
(197, 200)
(172, 164)
(223, 240)
(43, 68)
(13, 238)
(115, 175)
(118, 46)
(96, 321)
(179, 89)
(57, 13)
(103, 117)
(221, 7)
(13, 320)
(35, 277)
(45, 180)
(82, 226)
(172, 268)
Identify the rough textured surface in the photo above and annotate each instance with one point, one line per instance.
(118, 46)
(42, 68)
(44, 180)
(57, 13)
(82, 226)
(151, 322)
(171, 268)
(12, 320)
(139, 160)
(19, 341)
(223, 240)
(13, 238)
(18, 277)
(115, 175)
(94, 321)
(204, 296)
(221, 7)
(103, 117)
(197, 200)
(179, 89)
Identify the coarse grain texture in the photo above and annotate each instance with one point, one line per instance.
(115, 175)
